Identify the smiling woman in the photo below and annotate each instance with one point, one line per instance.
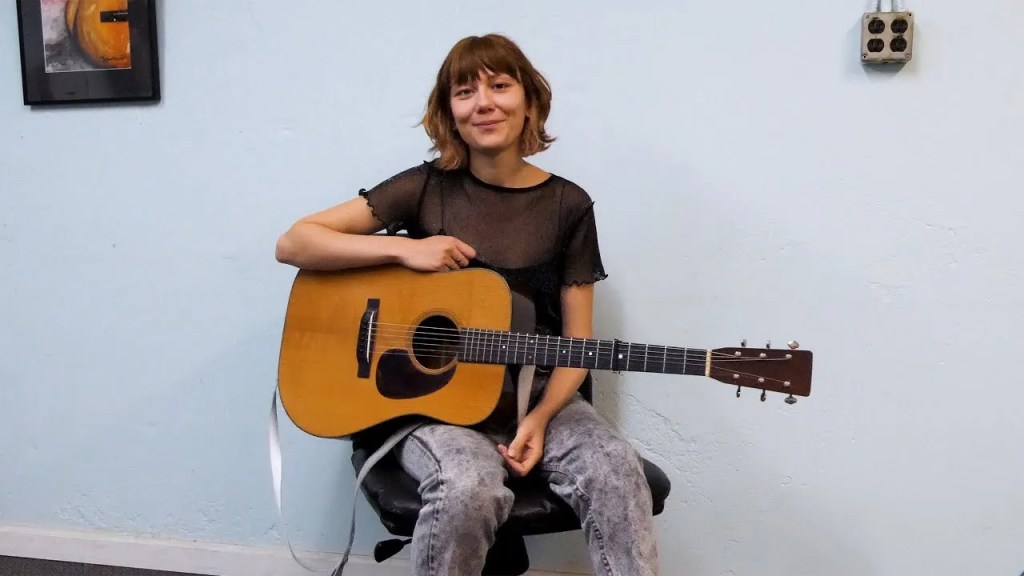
(481, 204)
(493, 71)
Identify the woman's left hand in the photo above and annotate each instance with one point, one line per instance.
(525, 450)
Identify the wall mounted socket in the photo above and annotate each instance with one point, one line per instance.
(887, 37)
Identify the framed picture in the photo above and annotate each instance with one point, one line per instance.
(77, 51)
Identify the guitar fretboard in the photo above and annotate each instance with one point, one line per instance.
(496, 347)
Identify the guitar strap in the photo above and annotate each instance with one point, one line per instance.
(524, 386)
(275, 468)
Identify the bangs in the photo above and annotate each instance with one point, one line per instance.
(483, 54)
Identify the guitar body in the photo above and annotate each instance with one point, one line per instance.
(332, 384)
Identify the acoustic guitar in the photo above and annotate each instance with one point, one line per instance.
(365, 346)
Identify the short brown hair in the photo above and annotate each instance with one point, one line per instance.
(496, 54)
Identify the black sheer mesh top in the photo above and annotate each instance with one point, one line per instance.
(539, 238)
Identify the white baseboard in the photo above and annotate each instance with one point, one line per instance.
(207, 558)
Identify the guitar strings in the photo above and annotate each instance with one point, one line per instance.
(494, 337)
(674, 355)
(444, 336)
(428, 351)
(488, 336)
(696, 359)
(553, 348)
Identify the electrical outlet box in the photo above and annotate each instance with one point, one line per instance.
(887, 37)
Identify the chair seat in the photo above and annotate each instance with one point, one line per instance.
(394, 496)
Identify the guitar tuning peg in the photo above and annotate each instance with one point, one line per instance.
(743, 343)
(790, 400)
(768, 344)
(764, 396)
(793, 344)
(738, 388)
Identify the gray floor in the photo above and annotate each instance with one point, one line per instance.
(12, 566)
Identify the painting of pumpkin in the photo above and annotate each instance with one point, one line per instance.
(100, 29)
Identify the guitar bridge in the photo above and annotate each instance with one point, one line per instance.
(364, 349)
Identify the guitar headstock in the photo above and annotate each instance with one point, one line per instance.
(784, 370)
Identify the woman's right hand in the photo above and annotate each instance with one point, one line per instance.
(437, 254)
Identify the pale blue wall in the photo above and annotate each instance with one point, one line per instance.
(753, 181)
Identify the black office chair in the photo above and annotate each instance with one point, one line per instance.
(394, 496)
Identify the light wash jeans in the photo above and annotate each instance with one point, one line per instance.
(587, 463)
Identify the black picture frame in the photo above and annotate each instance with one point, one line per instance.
(61, 64)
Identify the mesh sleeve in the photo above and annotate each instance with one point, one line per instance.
(395, 202)
(582, 262)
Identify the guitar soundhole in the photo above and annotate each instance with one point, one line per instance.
(435, 342)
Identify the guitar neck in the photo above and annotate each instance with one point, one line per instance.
(497, 347)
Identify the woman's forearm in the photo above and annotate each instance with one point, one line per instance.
(313, 246)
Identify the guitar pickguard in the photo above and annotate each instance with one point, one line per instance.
(399, 379)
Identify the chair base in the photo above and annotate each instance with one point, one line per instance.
(507, 556)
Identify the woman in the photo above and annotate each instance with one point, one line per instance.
(480, 203)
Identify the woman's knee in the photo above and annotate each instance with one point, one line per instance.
(616, 456)
(471, 497)
(605, 465)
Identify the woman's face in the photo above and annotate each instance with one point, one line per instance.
(489, 112)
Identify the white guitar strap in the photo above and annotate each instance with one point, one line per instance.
(275, 468)
(523, 388)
